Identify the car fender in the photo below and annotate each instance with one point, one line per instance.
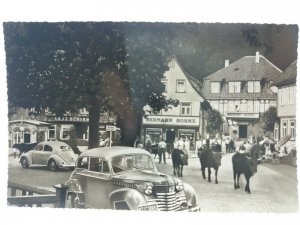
(28, 157)
(126, 198)
(190, 195)
(59, 161)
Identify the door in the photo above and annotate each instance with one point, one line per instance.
(242, 131)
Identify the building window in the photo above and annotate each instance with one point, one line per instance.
(250, 106)
(165, 86)
(256, 106)
(230, 106)
(234, 87)
(292, 128)
(172, 64)
(52, 133)
(214, 105)
(250, 86)
(267, 105)
(215, 87)
(262, 106)
(65, 132)
(276, 132)
(237, 106)
(225, 107)
(186, 109)
(180, 86)
(221, 107)
(256, 87)
(244, 106)
(284, 128)
(17, 135)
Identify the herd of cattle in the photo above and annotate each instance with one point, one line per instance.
(242, 163)
(209, 158)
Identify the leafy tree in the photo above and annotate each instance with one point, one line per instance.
(104, 67)
(214, 122)
(269, 119)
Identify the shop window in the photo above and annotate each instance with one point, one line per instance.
(180, 86)
(186, 109)
(52, 133)
(153, 135)
(65, 132)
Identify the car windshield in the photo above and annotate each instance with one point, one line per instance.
(132, 162)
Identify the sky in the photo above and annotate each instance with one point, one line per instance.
(231, 11)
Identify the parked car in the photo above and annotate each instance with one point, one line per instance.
(54, 154)
(125, 178)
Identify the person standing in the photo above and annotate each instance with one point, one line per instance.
(227, 145)
(162, 148)
(199, 147)
(186, 147)
(180, 144)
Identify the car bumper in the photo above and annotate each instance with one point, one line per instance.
(67, 166)
(193, 209)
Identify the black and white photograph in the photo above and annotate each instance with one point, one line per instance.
(150, 117)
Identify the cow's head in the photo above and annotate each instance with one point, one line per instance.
(253, 166)
(184, 159)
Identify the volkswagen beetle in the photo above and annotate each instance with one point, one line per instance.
(54, 154)
(125, 178)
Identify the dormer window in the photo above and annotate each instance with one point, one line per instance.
(234, 87)
(215, 87)
(254, 87)
(180, 86)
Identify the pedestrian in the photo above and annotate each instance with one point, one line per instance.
(227, 145)
(180, 144)
(162, 148)
(186, 146)
(242, 148)
(199, 147)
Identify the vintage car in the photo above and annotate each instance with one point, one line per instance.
(125, 178)
(54, 154)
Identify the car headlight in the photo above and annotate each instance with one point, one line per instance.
(179, 187)
(148, 189)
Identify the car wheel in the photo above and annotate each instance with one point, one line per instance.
(24, 162)
(52, 165)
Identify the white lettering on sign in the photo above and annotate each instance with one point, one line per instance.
(110, 128)
(172, 120)
(242, 115)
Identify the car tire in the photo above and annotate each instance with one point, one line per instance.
(52, 165)
(24, 162)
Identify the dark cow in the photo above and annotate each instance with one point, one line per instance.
(242, 164)
(179, 159)
(24, 147)
(209, 159)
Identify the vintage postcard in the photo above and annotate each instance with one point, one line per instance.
(166, 117)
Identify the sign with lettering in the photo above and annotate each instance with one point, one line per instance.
(172, 120)
(242, 115)
(110, 128)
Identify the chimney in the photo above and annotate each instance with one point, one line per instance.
(257, 57)
(226, 62)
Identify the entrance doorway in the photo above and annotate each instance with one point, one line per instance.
(242, 131)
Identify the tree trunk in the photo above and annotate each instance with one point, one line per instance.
(94, 118)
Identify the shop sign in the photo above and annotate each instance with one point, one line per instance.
(242, 115)
(172, 120)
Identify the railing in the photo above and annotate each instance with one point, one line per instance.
(31, 196)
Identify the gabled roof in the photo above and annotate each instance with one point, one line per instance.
(288, 77)
(193, 81)
(247, 69)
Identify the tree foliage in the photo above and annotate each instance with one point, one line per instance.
(214, 122)
(270, 118)
(100, 66)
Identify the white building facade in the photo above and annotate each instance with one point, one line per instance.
(182, 121)
(241, 92)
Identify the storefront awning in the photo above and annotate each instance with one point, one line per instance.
(283, 140)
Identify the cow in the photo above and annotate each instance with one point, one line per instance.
(209, 159)
(24, 147)
(179, 159)
(243, 164)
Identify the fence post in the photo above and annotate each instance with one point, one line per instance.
(61, 191)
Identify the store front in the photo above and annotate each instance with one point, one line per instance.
(169, 128)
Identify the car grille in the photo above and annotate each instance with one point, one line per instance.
(168, 201)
